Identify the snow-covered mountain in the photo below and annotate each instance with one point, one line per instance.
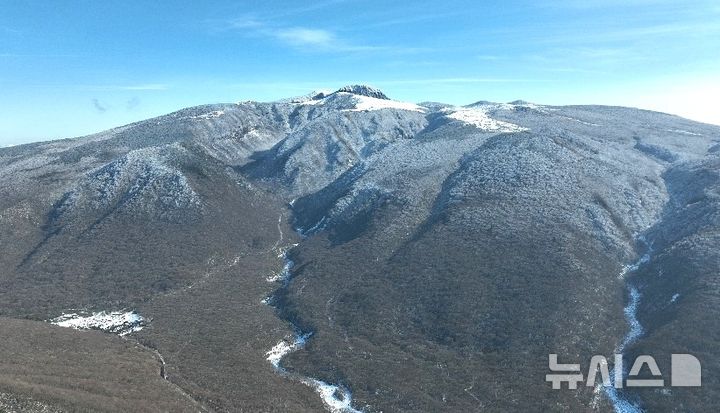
(348, 252)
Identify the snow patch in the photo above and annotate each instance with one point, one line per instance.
(512, 106)
(359, 103)
(644, 259)
(578, 120)
(116, 322)
(319, 226)
(210, 115)
(479, 118)
(310, 101)
(684, 132)
(337, 399)
(635, 266)
(284, 275)
(516, 105)
(285, 347)
(365, 103)
(312, 98)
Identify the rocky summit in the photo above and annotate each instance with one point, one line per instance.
(347, 252)
(363, 90)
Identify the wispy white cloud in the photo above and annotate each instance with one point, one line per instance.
(100, 87)
(642, 32)
(26, 55)
(584, 55)
(301, 38)
(406, 19)
(625, 23)
(9, 30)
(608, 4)
(238, 24)
(489, 58)
(307, 7)
(147, 86)
(321, 40)
(132, 87)
(458, 80)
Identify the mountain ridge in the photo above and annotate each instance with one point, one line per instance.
(197, 112)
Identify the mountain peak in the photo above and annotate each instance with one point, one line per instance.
(363, 90)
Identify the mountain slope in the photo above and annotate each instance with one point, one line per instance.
(439, 253)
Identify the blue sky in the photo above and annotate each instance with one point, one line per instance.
(69, 68)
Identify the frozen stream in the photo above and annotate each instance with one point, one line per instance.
(620, 403)
(337, 399)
